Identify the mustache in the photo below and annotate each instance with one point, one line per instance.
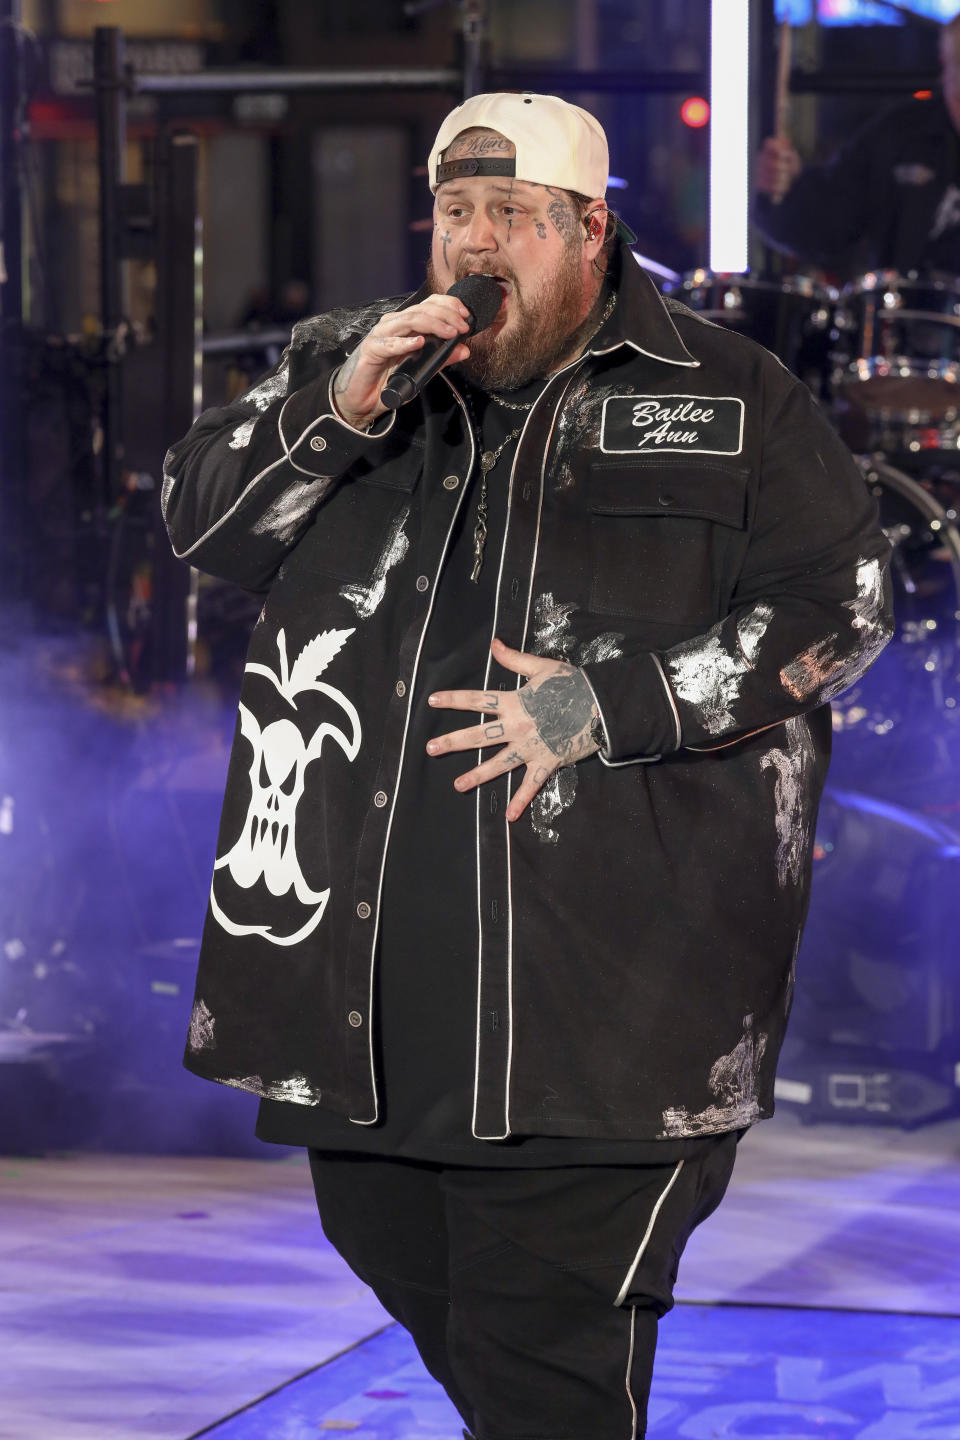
(503, 272)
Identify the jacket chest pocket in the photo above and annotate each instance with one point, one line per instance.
(663, 539)
(363, 521)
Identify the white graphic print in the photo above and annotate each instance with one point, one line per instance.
(286, 515)
(553, 636)
(792, 765)
(708, 677)
(202, 1025)
(820, 671)
(554, 796)
(166, 488)
(366, 598)
(243, 434)
(733, 1080)
(948, 212)
(267, 847)
(269, 390)
(295, 1090)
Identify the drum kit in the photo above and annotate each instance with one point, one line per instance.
(882, 356)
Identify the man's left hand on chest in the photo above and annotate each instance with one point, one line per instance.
(546, 724)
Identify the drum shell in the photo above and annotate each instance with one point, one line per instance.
(896, 362)
(897, 729)
(791, 317)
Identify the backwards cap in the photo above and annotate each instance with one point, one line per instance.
(556, 143)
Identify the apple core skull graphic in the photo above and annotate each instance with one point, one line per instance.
(267, 845)
(277, 782)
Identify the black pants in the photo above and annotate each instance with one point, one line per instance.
(533, 1296)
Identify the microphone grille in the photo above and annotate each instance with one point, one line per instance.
(482, 296)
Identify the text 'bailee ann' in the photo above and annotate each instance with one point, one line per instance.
(647, 411)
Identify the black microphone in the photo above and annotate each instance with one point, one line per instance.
(483, 297)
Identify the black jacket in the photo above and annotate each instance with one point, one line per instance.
(875, 204)
(685, 525)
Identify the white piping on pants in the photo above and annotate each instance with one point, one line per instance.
(633, 1407)
(625, 1287)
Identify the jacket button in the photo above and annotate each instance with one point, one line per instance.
(665, 500)
(451, 482)
(422, 583)
(401, 689)
(363, 910)
(380, 799)
(355, 1019)
(318, 443)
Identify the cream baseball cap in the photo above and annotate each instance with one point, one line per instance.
(556, 143)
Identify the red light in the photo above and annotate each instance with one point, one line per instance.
(695, 112)
(923, 94)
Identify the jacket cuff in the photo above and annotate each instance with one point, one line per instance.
(323, 444)
(637, 708)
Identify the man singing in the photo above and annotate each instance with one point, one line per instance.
(515, 850)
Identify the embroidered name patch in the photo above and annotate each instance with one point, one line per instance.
(675, 424)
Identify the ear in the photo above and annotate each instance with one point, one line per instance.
(595, 225)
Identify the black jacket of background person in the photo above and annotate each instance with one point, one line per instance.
(873, 206)
(719, 575)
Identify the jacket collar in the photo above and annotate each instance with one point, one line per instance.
(641, 318)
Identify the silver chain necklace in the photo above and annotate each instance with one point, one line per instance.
(511, 404)
(488, 459)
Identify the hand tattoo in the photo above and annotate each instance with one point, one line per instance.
(562, 709)
(493, 732)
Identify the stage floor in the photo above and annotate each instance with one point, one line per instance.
(159, 1298)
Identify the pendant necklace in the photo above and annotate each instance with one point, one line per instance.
(488, 458)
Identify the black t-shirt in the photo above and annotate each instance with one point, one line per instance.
(426, 971)
(942, 250)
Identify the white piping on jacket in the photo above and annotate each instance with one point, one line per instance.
(486, 684)
(628, 1280)
(664, 359)
(182, 554)
(396, 788)
(670, 697)
(334, 414)
(576, 363)
(649, 759)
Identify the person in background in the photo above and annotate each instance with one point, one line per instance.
(888, 199)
